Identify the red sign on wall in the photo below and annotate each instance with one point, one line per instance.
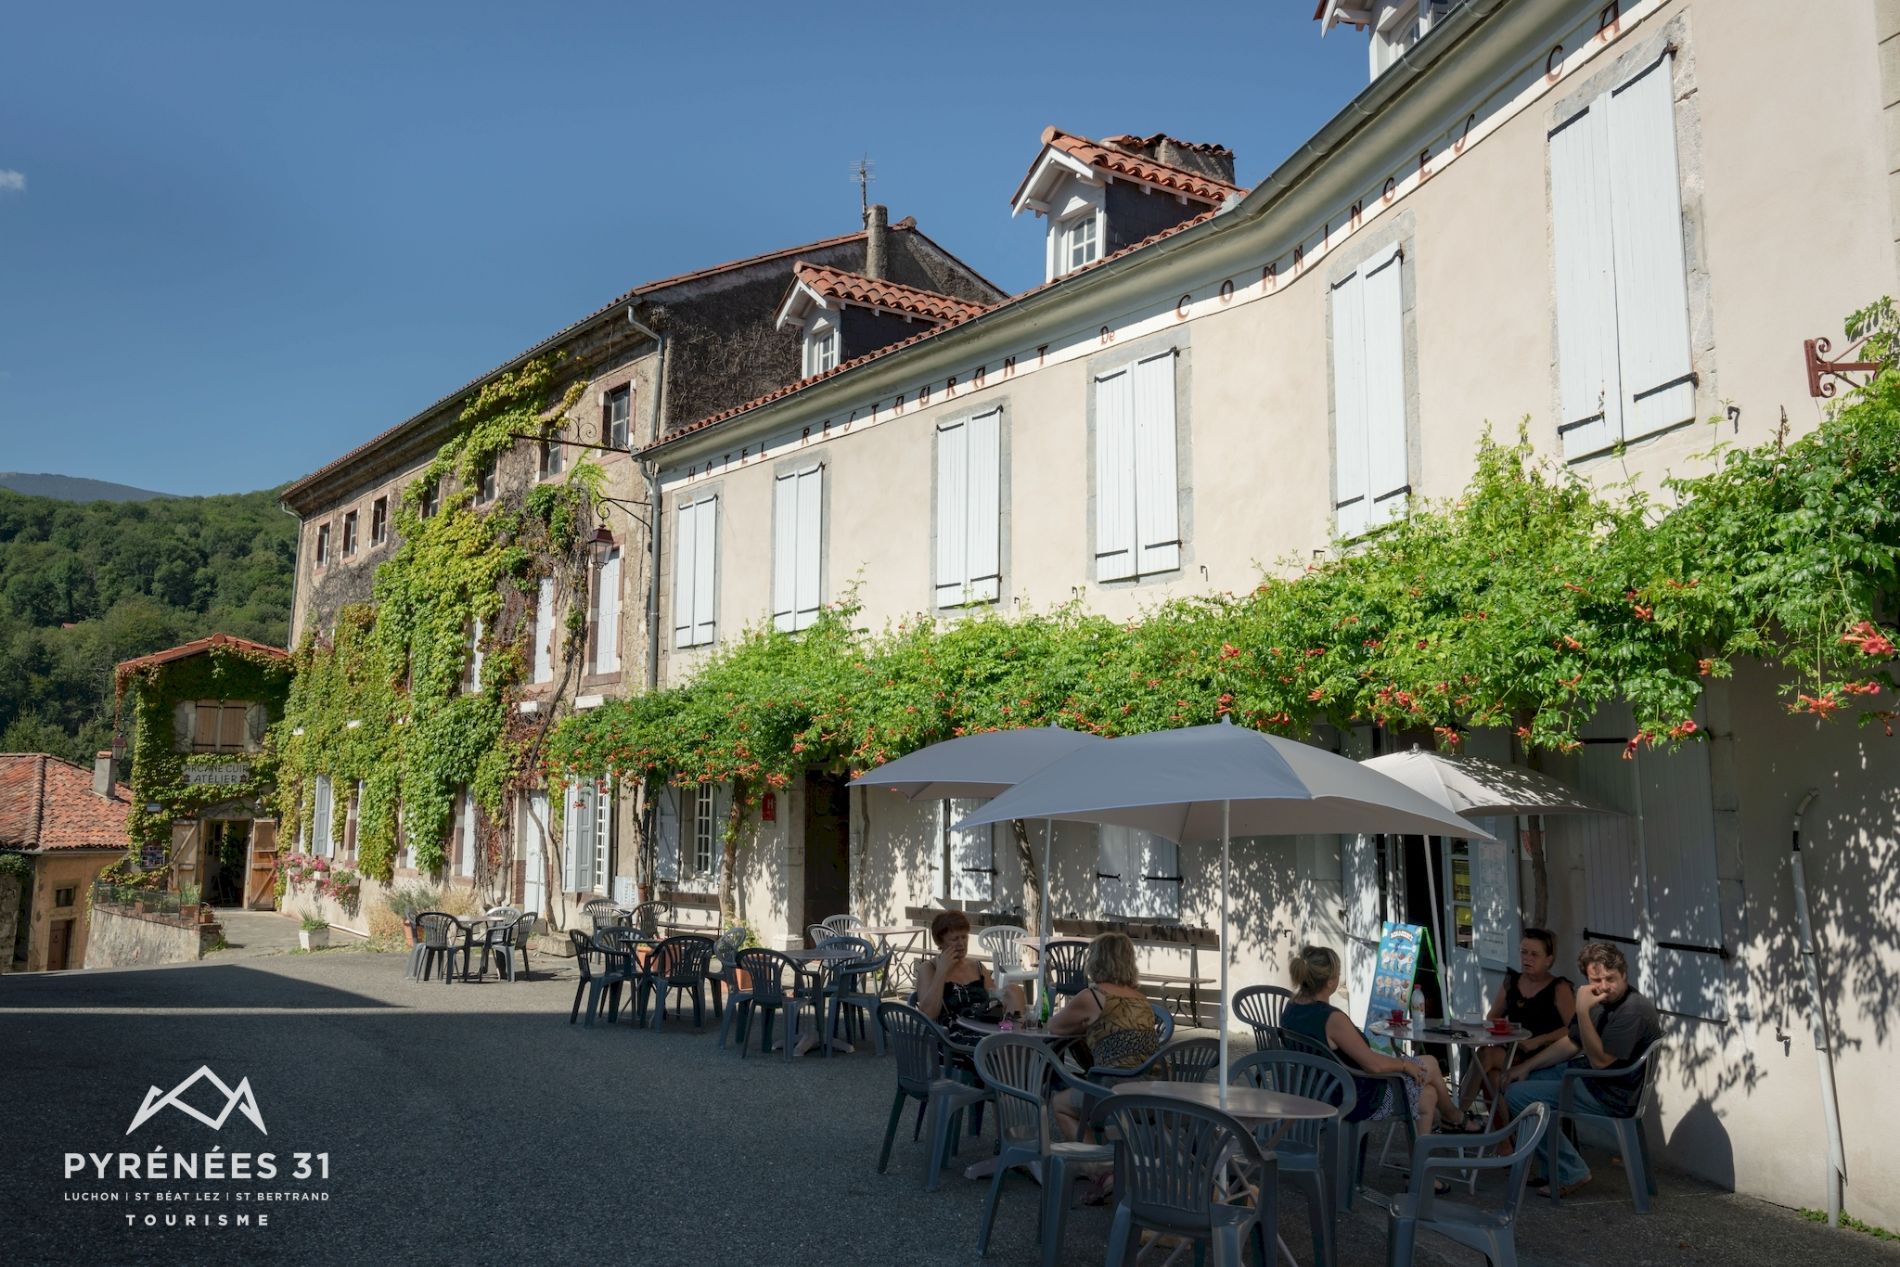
(768, 808)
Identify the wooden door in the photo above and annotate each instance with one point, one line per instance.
(260, 889)
(827, 889)
(59, 945)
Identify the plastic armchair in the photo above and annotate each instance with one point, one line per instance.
(769, 996)
(1170, 1159)
(499, 936)
(1259, 1007)
(925, 1073)
(1631, 1139)
(1490, 1229)
(1002, 942)
(842, 923)
(596, 981)
(1355, 1135)
(677, 964)
(601, 912)
(442, 941)
(645, 918)
(1308, 1151)
(1021, 1074)
(851, 987)
(1064, 958)
(725, 953)
(523, 930)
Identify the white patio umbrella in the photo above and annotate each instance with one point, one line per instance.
(1216, 782)
(1476, 788)
(981, 766)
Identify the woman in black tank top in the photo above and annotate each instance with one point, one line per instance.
(1532, 999)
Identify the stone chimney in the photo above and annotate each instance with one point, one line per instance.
(102, 780)
(876, 240)
(1214, 161)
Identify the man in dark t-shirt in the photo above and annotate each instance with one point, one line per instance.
(1614, 1026)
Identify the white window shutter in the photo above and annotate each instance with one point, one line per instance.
(685, 572)
(320, 815)
(667, 819)
(1352, 483)
(953, 512)
(785, 551)
(578, 836)
(475, 657)
(605, 805)
(1685, 894)
(1114, 477)
(971, 878)
(468, 832)
(544, 631)
(1114, 867)
(570, 870)
(1157, 493)
(1606, 844)
(705, 569)
(1383, 313)
(607, 640)
(811, 502)
(1589, 387)
(1652, 296)
(722, 809)
(983, 551)
(1157, 879)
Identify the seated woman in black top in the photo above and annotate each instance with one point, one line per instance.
(954, 985)
(1310, 1014)
(1531, 999)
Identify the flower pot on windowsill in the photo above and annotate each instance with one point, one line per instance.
(204, 913)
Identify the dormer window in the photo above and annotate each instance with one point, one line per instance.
(821, 348)
(1081, 242)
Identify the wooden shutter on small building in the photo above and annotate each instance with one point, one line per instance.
(1114, 476)
(1589, 390)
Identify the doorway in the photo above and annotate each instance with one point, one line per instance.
(59, 945)
(827, 846)
(224, 861)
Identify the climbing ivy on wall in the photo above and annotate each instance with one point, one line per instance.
(1527, 602)
(148, 697)
(383, 700)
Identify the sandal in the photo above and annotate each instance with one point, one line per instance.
(1101, 1190)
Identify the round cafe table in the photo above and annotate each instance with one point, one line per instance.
(1468, 1035)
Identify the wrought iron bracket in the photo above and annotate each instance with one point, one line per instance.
(1822, 372)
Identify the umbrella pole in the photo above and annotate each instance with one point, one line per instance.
(1042, 915)
(1220, 1012)
(1434, 851)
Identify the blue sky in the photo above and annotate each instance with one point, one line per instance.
(239, 239)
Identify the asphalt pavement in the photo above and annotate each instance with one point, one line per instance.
(470, 1123)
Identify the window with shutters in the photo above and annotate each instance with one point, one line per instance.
(1625, 368)
(616, 417)
(1651, 880)
(355, 815)
(467, 837)
(219, 726)
(695, 572)
(1370, 480)
(544, 631)
(1138, 875)
(379, 521)
(323, 544)
(798, 547)
(587, 837)
(1137, 497)
(606, 612)
(969, 518)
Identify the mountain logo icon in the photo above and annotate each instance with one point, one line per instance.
(239, 1097)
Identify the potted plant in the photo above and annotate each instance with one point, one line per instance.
(315, 933)
(409, 901)
(748, 941)
(188, 898)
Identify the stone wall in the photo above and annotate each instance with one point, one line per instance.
(122, 938)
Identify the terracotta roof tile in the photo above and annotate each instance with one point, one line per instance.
(1147, 170)
(195, 647)
(47, 803)
(874, 292)
(793, 388)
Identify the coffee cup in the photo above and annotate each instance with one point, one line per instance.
(1398, 1016)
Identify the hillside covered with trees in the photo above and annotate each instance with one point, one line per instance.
(85, 585)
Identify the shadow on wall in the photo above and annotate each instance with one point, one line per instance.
(1702, 1141)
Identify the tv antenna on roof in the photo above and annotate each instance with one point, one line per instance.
(864, 171)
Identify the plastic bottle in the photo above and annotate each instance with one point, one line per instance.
(1044, 1008)
(1418, 1009)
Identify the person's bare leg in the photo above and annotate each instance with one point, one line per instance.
(1484, 1071)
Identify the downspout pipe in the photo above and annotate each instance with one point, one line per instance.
(648, 811)
(1817, 1021)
